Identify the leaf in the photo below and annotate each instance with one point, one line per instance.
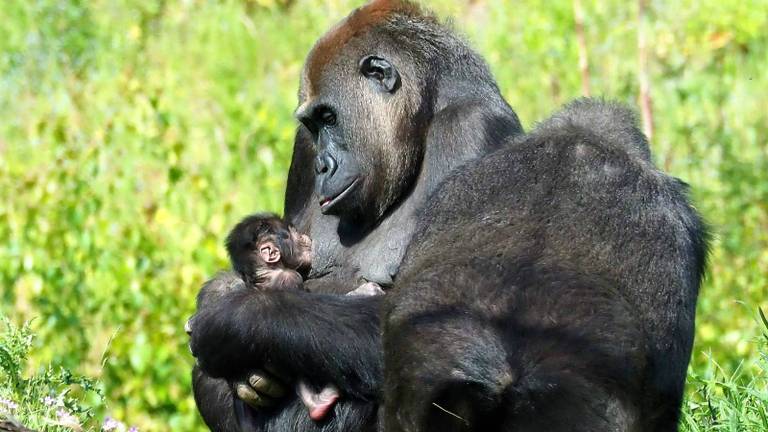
(765, 322)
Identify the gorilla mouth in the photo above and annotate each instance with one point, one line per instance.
(326, 203)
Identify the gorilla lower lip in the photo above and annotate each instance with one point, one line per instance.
(327, 203)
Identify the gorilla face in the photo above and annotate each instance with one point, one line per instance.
(338, 174)
(361, 123)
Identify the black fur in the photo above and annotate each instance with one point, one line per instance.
(445, 111)
(550, 285)
(573, 306)
(319, 338)
(566, 302)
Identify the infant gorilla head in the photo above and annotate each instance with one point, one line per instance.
(269, 253)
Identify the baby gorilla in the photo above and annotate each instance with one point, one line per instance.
(270, 254)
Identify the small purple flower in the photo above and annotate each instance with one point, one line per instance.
(133, 429)
(64, 415)
(49, 401)
(9, 404)
(65, 418)
(111, 424)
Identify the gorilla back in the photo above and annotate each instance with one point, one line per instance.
(565, 303)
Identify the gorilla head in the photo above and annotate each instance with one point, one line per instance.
(362, 100)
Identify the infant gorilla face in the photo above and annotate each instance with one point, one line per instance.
(282, 245)
(268, 252)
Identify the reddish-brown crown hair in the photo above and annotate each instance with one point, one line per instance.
(357, 23)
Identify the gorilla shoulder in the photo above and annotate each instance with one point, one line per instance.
(611, 123)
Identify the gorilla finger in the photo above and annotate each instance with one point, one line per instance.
(266, 385)
(251, 397)
(367, 289)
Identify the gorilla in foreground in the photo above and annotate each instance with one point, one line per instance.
(540, 281)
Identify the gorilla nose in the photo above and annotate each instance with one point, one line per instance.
(325, 164)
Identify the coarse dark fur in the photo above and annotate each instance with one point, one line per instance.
(551, 285)
(352, 361)
(575, 309)
(444, 111)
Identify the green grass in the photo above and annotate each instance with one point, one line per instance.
(52, 399)
(133, 133)
(729, 399)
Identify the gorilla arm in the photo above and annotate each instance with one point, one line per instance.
(329, 338)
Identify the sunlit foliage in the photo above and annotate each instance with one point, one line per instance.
(133, 133)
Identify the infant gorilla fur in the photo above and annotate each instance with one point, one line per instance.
(270, 254)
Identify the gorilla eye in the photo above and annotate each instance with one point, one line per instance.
(325, 116)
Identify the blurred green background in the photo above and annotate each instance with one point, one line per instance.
(134, 133)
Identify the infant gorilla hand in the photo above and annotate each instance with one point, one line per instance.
(367, 289)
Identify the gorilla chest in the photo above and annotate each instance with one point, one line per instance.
(375, 257)
(378, 257)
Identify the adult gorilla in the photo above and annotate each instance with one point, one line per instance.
(390, 103)
(551, 284)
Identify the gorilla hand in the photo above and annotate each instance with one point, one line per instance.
(367, 289)
(297, 330)
(261, 388)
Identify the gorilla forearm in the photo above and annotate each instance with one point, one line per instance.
(327, 338)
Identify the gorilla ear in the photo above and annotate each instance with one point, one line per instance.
(381, 72)
(269, 253)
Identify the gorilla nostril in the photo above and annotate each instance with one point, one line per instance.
(321, 166)
(325, 164)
